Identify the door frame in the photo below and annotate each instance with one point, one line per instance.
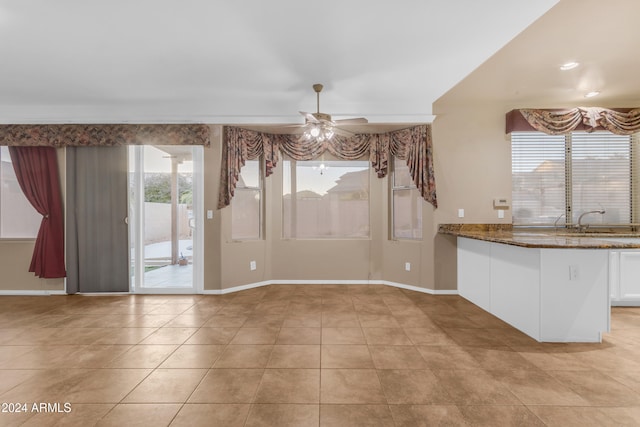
(137, 205)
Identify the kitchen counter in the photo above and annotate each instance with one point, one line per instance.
(544, 237)
(555, 285)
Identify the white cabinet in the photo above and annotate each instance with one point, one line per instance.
(474, 274)
(624, 277)
(552, 295)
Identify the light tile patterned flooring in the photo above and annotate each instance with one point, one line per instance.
(308, 355)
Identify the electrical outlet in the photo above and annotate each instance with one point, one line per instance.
(209, 214)
(252, 265)
(460, 213)
(500, 213)
(407, 266)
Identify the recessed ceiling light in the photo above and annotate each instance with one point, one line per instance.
(592, 94)
(569, 66)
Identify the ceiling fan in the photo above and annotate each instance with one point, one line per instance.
(320, 126)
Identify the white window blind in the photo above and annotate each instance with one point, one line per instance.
(601, 177)
(538, 178)
(573, 174)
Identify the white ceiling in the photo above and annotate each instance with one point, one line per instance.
(243, 61)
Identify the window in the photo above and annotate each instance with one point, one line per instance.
(246, 206)
(18, 218)
(569, 175)
(325, 199)
(406, 204)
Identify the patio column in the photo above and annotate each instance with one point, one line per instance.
(175, 244)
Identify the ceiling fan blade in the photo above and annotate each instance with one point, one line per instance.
(354, 121)
(310, 118)
(301, 126)
(343, 132)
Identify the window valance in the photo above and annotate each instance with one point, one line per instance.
(412, 144)
(557, 122)
(53, 135)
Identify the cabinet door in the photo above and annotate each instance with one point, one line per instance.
(474, 271)
(630, 276)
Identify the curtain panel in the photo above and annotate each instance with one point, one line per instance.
(97, 233)
(37, 173)
(106, 135)
(558, 122)
(412, 144)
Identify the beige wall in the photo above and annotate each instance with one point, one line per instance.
(15, 257)
(472, 158)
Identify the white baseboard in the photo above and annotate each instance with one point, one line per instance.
(251, 286)
(236, 288)
(329, 282)
(418, 289)
(31, 293)
(625, 303)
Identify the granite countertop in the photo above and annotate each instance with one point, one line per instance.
(543, 237)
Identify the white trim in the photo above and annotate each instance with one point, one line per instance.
(165, 291)
(328, 282)
(237, 288)
(423, 290)
(325, 282)
(31, 292)
(621, 303)
(103, 294)
(200, 213)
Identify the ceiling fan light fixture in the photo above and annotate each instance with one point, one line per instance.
(320, 127)
(329, 133)
(569, 65)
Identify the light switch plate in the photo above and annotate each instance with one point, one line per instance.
(460, 213)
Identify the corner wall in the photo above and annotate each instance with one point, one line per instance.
(472, 158)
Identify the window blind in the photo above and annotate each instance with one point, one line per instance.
(601, 177)
(573, 174)
(538, 178)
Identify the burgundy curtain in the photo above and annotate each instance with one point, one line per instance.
(37, 172)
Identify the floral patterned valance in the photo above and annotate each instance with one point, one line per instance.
(554, 122)
(412, 144)
(65, 135)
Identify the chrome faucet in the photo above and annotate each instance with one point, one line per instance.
(555, 223)
(581, 227)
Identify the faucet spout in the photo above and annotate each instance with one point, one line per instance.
(581, 227)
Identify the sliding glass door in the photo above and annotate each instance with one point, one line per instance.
(165, 225)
